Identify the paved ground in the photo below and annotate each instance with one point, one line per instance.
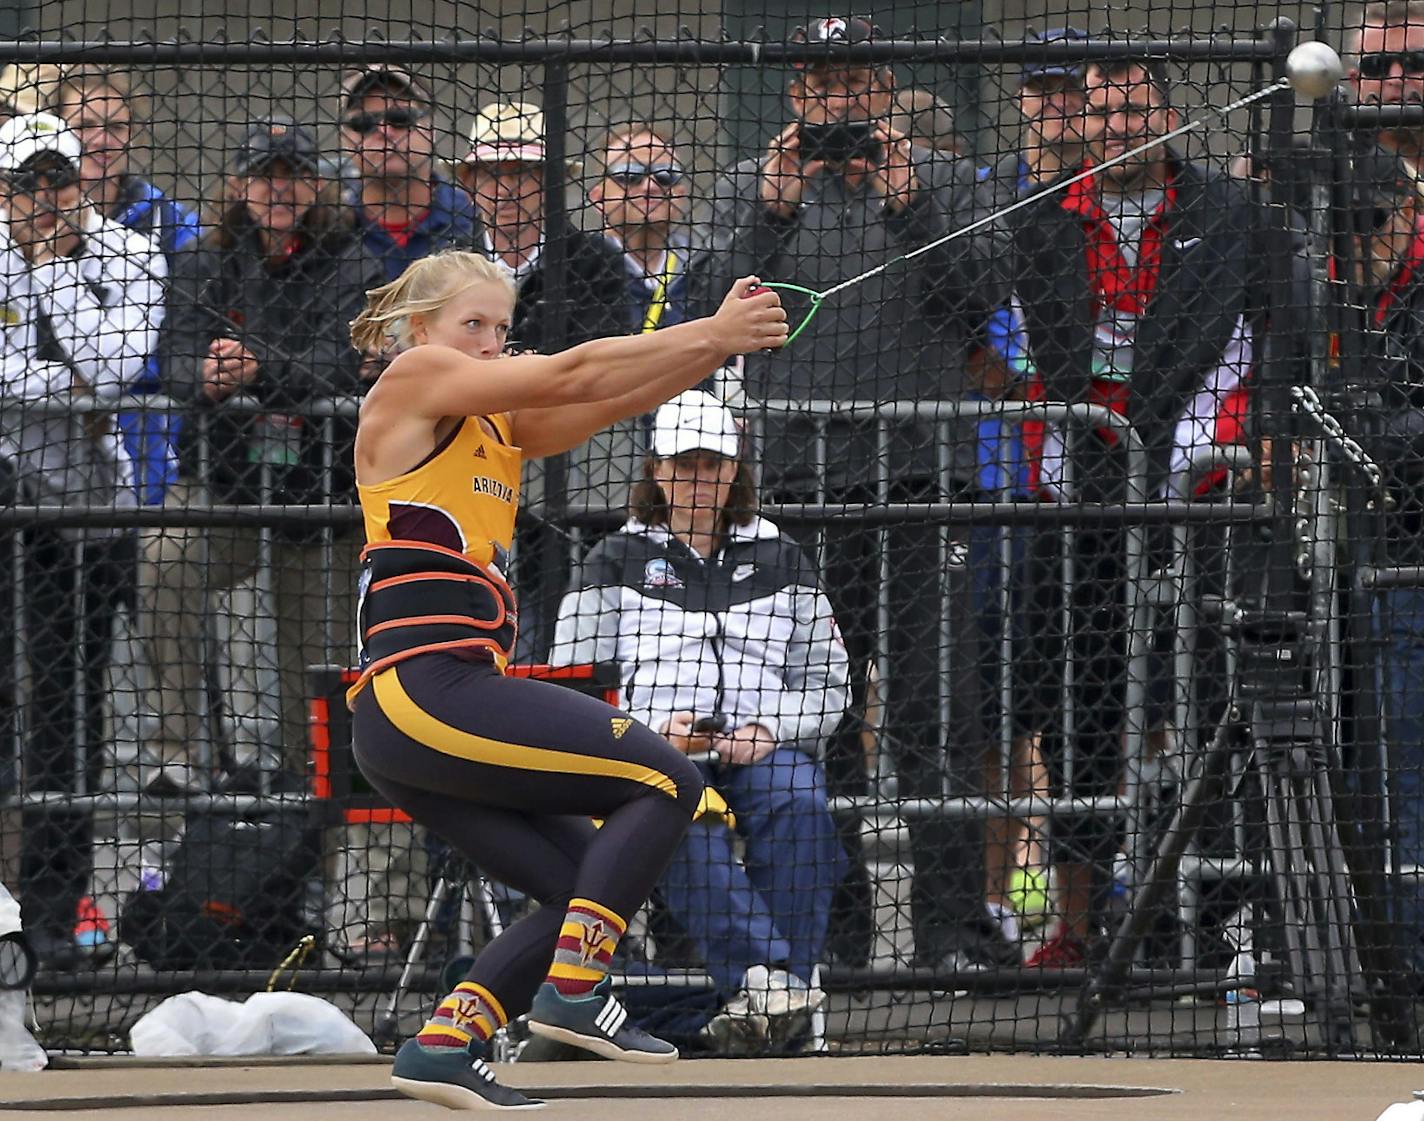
(985, 1088)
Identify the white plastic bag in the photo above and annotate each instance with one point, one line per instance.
(195, 1023)
(9, 912)
(18, 1049)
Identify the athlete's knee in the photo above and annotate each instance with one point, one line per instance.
(686, 781)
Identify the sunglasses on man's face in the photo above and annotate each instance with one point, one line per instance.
(665, 175)
(1381, 63)
(363, 124)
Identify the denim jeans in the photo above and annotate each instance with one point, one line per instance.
(771, 908)
(1402, 616)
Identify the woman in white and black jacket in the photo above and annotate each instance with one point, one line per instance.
(727, 645)
(81, 301)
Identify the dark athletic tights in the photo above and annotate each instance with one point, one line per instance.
(509, 771)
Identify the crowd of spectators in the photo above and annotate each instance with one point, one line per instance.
(794, 662)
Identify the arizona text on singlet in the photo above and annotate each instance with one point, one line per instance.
(437, 541)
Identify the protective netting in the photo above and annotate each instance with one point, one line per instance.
(1046, 614)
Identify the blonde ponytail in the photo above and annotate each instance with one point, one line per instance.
(425, 287)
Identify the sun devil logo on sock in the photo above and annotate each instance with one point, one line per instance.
(466, 1008)
(621, 724)
(593, 939)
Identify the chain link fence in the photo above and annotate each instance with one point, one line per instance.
(1067, 581)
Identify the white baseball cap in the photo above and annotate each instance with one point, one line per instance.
(33, 134)
(695, 421)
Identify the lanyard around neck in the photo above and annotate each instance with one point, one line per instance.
(658, 303)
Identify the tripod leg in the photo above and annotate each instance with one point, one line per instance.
(1357, 902)
(1154, 890)
(1300, 859)
(1334, 877)
(1287, 877)
(389, 1027)
(488, 907)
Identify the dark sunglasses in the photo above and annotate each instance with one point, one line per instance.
(631, 174)
(363, 124)
(47, 178)
(1379, 65)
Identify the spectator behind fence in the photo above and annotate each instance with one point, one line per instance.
(404, 209)
(837, 193)
(1050, 103)
(504, 170)
(259, 306)
(1389, 260)
(727, 644)
(1144, 290)
(642, 195)
(99, 106)
(1386, 53)
(82, 304)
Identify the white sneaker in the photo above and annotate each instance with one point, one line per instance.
(737, 1030)
(1005, 919)
(775, 992)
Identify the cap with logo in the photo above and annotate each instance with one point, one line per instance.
(272, 140)
(834, 30)
(695, 421)
(24, 138)
(391, 80)
(1034, 71)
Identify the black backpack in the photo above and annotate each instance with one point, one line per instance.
(234, 896)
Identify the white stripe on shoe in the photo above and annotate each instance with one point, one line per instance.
(603, 1013)
(610, 1018)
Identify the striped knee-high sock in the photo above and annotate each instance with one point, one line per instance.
(470, 1012)
(585, 949)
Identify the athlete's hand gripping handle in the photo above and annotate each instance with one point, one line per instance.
(750, 318)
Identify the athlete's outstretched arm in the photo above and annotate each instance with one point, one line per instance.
(551, 430)
(540, 432)
(434, 381)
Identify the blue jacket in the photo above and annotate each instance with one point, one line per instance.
(450, 221)
(151, 439)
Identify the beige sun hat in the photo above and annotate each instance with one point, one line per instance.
(29, 87)
(509, 132)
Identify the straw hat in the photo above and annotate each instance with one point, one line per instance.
(29, 87)
(509, 132)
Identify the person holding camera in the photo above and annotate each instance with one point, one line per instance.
(82, 304)
(728, 647)
(840, 192)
